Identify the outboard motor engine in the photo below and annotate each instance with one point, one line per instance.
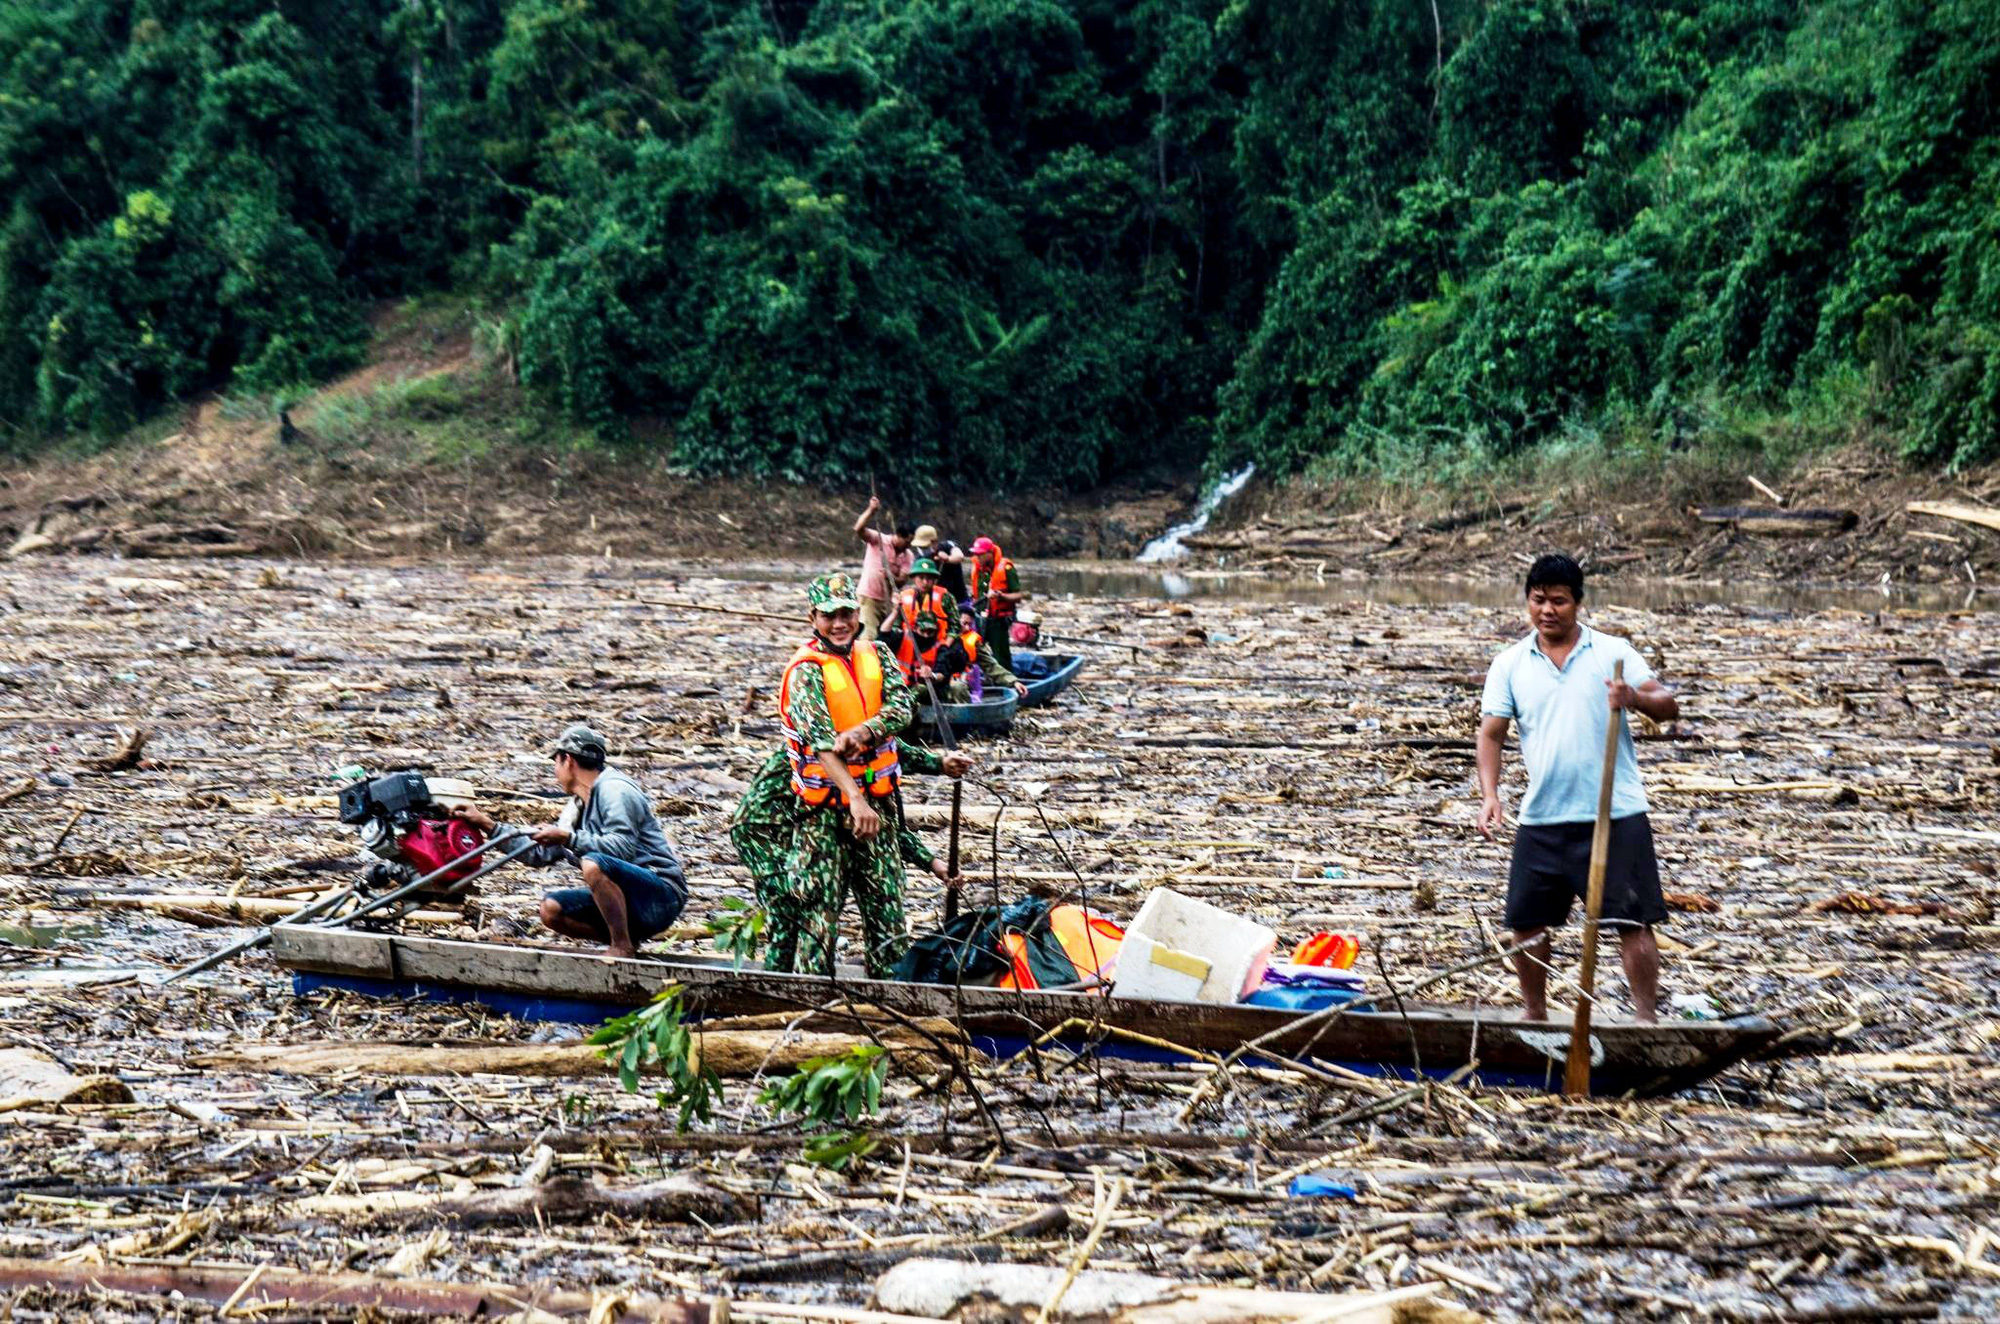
(405, 822)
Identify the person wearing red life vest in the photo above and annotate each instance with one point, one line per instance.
(996, 596)
(841, 701)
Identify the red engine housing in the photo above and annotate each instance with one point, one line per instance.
(436, 842)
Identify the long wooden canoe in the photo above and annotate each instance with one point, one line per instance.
(570, 984)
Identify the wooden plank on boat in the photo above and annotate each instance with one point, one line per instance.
(456, 964)
(1627, 1057)
(349, 951)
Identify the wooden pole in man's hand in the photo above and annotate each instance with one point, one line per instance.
(957, 802)
(1576, 1071)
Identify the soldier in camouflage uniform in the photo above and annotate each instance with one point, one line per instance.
(768, 817)
(806, 857)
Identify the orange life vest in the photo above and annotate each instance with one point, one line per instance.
(938, 605)
(1337, 950)
(1002, 580)
(1090, 940)
(853, 695)
(907, 655)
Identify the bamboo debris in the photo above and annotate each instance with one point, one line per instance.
(1295, 767)
(195, 906)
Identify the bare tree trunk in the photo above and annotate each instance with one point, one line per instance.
(416, 105)
(1437, 77)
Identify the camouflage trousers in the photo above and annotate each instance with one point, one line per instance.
(805, 863)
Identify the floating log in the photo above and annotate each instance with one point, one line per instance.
(1774, 522)
(1952, 510)
(255, 1288)
(727, 1053)
(30, 1078)
(565, 1199)
(239, 909)
(956, 1289)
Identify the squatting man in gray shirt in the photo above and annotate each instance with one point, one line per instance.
(633, 884)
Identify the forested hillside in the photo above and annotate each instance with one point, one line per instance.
(1009, 241)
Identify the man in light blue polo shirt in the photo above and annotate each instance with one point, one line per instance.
(1557, 686)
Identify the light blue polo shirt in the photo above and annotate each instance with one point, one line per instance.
(1560, 716)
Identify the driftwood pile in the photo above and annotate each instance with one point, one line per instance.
(1844, 519)
(1826, 817)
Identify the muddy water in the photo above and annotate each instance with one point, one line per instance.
(1109, 579)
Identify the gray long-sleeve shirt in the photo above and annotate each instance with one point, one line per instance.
(618, 820)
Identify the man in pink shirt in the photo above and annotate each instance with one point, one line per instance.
(884, 565)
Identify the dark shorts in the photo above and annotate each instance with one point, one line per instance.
(1552, 868)
(652, 901)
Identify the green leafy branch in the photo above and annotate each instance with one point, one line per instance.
(656, 1037)
(739, 931)
(834, 1092)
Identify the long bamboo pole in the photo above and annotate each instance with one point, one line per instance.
(1576, 1071)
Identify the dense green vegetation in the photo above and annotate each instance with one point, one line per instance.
(1011, 241)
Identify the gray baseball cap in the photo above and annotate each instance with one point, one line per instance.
(580, 739)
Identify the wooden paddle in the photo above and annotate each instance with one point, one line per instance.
(1576, 1071)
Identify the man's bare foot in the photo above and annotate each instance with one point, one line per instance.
(1534, 1013)
(621, 949)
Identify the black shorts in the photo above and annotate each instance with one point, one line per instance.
(652, 902)
(1551, 868)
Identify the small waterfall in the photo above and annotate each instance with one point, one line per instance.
(1167, 546)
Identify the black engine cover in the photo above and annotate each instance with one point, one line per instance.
(388, 796)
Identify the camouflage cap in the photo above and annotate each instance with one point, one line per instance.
(834, 592)
(582, 740)
(925, 566)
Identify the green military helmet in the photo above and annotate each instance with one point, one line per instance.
(925, 566)
(833, 592)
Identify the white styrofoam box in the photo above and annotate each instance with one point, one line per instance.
(1174, 936)
(1147, 969)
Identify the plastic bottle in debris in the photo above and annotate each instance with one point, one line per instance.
(353, 772)
(1695, 1007)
